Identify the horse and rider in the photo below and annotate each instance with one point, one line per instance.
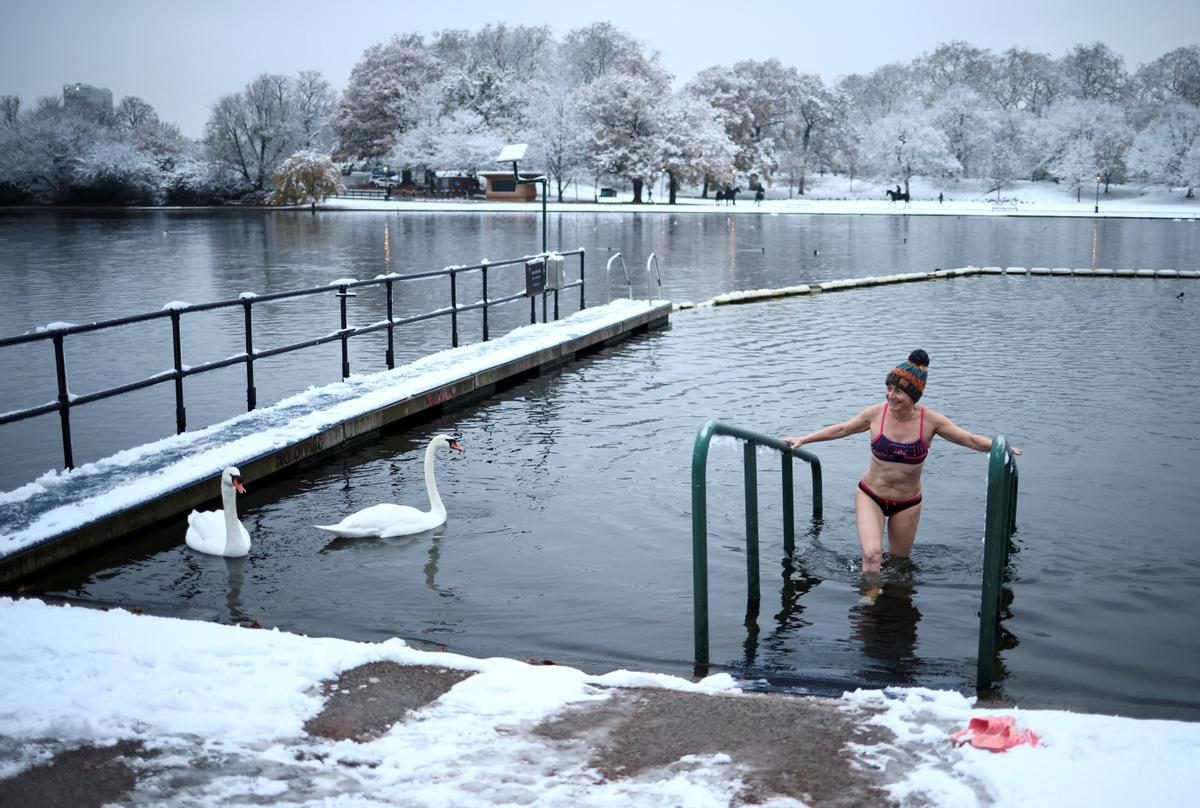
(728, 194)
(898, 195)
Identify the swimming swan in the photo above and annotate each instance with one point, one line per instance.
(219, 532)
(389, 520)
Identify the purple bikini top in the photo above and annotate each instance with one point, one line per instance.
(889, 451)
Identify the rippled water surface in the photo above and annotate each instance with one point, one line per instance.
(71, 266)
(569, 535)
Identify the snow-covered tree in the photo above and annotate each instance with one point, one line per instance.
(113, 171)
(307, 177)
(495, 72)
(10, 109)
(557, 137)
(1163, 151)
(1002, 165)
(1025, 81)
(162, 140)
(1174, 75)
(905, 144)
(621, 111)
(754, 101)
(132, 112)
(460, 141)
(815, 126)
(1098, 123)
(1075, 166)
(592, 51)
(953, 65)
(1094, 72)
(378, 102)
(880, 92)
(695, 142)
(1191, 169)
(967, 124)
(314, 100)
(40, 154)
(253, 131)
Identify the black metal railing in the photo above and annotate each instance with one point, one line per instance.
(66, 401)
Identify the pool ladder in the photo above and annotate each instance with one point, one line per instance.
(653, 273)
(1000, 524)
(700, 518)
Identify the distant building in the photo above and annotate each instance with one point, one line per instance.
(502, 185)
(87, 99)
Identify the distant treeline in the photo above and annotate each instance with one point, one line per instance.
(597, 105)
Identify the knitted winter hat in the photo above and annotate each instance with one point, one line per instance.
(910, 375)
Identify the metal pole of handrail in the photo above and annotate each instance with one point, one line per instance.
(582, 305)
(655, 275)
(789, 504)
(999, 523)
(64, 400)
(750, 479)
(453, 310)
(251, 393)
(342, 294)
(624, 269)
(391, 331)
(177, 351)
(485, 301)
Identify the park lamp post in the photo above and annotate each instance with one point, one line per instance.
(1097, 208)
(515, 153)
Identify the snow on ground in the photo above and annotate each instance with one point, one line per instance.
(236, 699)
(59, 501)
(838, 195)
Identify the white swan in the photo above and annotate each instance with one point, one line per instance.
(220, 532)
(389, 520)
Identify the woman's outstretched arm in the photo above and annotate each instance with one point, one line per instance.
(859, 423)
(956, 434)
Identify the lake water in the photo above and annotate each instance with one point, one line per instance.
(569, 530)
(79, 267)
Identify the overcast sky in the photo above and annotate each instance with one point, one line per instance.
(182, 56)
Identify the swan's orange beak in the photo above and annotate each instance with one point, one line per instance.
(453, 444)
(237, 483)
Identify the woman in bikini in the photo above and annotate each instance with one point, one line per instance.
(901, 431)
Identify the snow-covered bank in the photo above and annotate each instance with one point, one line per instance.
(230, 705)
(841, 197)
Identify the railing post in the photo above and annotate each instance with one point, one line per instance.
(484, 267)
(789, 505)
(251, 393)
(582, 282)
(391, 329)
(64, 401)
(750, 474)
(1000, 518)
(453, 309)
(176, 342)
(700, 546)
(343, 293)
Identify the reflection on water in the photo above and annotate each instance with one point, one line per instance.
(884, 620)
(79, 267)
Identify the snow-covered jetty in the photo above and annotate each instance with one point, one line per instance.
(65, 513)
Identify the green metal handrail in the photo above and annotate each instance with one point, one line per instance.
(1000, 525)
(700, 517)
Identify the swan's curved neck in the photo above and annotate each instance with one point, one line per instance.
(233, 529)
(435, 500)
